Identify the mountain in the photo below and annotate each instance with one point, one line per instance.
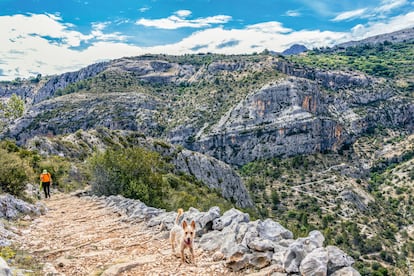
(394, 37)
(236, 109)
(322, 140)
(295, 49)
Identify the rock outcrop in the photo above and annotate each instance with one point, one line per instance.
(61, 81)
(4, 268)
(12, 208)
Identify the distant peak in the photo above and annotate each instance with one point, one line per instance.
(295, 49)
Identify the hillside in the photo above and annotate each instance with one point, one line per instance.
(322, 140)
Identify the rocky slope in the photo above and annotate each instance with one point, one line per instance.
(298, 111)
(398, 36)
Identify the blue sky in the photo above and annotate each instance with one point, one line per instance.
(52, 37)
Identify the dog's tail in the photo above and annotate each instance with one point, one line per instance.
(179, 214)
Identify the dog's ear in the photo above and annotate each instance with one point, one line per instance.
(193, 224)
(184, 224)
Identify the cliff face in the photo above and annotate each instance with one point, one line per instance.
(284, 111)
(294, 117)
(280, 119)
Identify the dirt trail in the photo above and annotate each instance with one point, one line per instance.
(79, 236)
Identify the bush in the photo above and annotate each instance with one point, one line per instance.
(131, 172)
(142, 174)
(14, 173)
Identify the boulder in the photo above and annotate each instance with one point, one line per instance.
(272, 230)
(298, 250)
(337, 259)
(4, 268)
(234, 216)
(346, 271)
(12, 208)
(315, 263)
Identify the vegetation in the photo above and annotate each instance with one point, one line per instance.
(308, 192)
(211, 94)
(12, 109)
(142, 174)
(19, 166)
(388, 60)
(15, 169)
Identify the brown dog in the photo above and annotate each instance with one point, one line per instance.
(183, 236)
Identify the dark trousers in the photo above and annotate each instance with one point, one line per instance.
(46, 189)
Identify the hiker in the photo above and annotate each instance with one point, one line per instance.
(45, 181)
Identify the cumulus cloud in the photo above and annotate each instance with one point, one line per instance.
(34, 43)
(41, 43)
(269, 27)
(375, 28)
(349, 15)
(179, 20)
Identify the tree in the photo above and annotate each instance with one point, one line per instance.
(12, 109)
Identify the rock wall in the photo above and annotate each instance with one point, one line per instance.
(309, 110)
(283, 119)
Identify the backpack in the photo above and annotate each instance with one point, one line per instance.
(45, 177)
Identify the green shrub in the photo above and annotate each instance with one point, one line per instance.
(15, 172)
(142, 174)
(131, 172)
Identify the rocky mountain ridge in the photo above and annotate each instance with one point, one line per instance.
(398, 36)
(334, 108)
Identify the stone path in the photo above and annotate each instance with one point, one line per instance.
(79, 236)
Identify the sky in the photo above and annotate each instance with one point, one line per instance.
(55, 36)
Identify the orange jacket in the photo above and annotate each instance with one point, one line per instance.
(45, 177)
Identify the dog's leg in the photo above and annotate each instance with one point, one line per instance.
(192, 255)
(172, 241)
(182, 255)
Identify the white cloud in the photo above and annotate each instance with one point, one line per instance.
(388, 5)
(143, 9)
(41, 43)
(26, 48)
(269, 27)
(183, 13)
(178, 20)
(391, 25)
(349, 15)
(293, 13)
